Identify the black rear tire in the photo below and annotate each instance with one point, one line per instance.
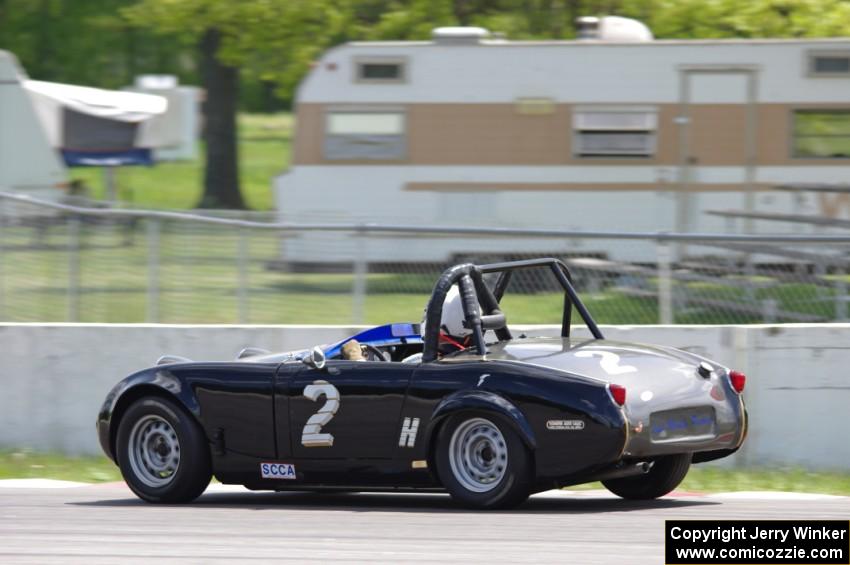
(163, 436)
(666, 474)
(508, 457)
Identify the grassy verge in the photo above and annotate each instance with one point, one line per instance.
(25, 464)
(31, 465)
(199, 271)
(712, 479)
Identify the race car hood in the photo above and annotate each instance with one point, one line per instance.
(628, 364)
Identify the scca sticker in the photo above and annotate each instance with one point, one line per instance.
(277, 470)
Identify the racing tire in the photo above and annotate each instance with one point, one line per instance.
(162, 452)
(482, 462)
(666, 474)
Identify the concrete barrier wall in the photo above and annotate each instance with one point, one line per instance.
(54, 377)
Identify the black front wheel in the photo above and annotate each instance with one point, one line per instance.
(665, 474)
(162, 452)
(483, 462)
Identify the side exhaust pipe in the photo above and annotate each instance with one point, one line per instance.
(624, 470)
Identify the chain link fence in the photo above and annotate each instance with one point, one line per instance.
(62, 263)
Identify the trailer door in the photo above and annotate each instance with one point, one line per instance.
(717, 143)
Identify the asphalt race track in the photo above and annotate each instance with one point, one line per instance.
(107, 524)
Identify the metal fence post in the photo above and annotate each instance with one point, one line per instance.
(242, 264)
(769, 309)
(73, 268)
(361, 271)
(665, 282)
(2, 259)
(750, 274)
(153, 231)
(109, 185)
(840, 294)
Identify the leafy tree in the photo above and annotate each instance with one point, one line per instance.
(693, 19)
(87, 43)
(273, 40)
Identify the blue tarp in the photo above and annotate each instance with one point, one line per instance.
(137, 156)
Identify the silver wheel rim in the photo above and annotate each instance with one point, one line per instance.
(478, 455)
(154, 451)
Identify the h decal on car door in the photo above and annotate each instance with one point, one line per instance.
(409, 428)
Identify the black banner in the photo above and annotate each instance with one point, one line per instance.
(757, 542)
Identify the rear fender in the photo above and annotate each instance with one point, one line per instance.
(483, 401)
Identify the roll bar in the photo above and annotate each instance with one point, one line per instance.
(481, 305)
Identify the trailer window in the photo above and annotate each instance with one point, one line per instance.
(829, 63)
(365, 135)
(822, 134)
(614, 132)
(380, 70)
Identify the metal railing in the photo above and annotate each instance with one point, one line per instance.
(60, 262)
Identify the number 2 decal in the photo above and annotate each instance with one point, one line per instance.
(312, 435)
(610, 362)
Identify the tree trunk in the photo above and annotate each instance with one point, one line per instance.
(130, 53)
(221, 171)
(462, 12)
(43, 66)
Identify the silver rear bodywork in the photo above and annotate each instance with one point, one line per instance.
(670, 406)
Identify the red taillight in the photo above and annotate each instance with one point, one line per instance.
(618, 393)
(738, 380)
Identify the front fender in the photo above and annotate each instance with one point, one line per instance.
(472, 399)
(158, 380)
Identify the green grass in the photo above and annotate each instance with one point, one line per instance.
(198, 276)
(28, 464)
(714, 479)
(31, 465)
(264, 149)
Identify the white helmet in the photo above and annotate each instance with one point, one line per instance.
(453, 317)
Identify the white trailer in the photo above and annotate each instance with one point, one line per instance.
(44, 125)
(616, 132)
(28, 162)
(179, 127)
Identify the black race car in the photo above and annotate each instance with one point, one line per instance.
(490, 423)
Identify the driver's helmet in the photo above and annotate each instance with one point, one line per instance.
(452, 331)
(453, 317)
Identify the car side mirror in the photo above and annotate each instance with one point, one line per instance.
(315, 359)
